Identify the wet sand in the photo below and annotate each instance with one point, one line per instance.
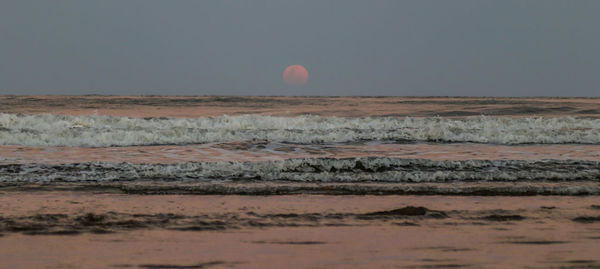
(107, 230)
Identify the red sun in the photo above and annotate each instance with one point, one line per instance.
(295, 75)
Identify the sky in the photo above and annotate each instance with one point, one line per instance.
(349, 47)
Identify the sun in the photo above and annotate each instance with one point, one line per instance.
(295, 75)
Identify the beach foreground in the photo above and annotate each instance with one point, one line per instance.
(70, 229)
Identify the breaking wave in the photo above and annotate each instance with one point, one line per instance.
(350, 170)
(103, 131)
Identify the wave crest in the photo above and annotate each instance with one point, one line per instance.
(103, 131)
(368, 169)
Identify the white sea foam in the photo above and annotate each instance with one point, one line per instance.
(368, 169)
(102, 131)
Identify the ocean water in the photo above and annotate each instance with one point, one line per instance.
(326, 145)
(299, 182)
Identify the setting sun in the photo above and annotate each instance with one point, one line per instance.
(295, 75)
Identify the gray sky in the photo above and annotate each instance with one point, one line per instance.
(420, 47)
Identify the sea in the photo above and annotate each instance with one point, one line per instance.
(299, 182)
(327, 145)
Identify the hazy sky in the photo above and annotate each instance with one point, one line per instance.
(489, 48)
